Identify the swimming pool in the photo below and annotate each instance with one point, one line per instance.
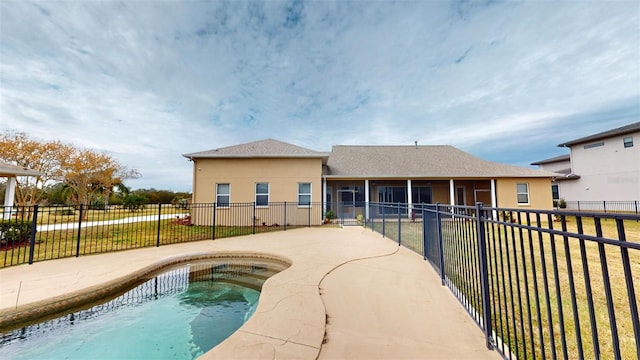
(178, 314)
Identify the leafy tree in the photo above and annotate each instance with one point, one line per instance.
(134, 201)
(86, 174)
(18, 149)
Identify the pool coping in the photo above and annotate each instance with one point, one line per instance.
(34, 312)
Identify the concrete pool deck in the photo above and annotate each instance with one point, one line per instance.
(349, 294)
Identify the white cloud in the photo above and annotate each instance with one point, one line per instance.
(148, 81)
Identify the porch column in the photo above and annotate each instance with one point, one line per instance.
(410, 198)
(324, 196)
(494, 199)
(366, 199)
(452, 193)
(9, 194)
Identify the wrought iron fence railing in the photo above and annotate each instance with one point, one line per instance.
(540, 284)
(36, 233)
(630, 207)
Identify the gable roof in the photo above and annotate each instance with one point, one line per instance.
(268, 148)
(555, 159)
(627, 129)
(440, 161)
(14, 170)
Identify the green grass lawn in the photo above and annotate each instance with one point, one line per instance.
(107, 238)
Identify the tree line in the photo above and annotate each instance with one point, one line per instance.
(73, 176)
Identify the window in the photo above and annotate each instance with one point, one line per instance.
(392, 194)
(628, 141)
(262, 194)
(523, 193)
(421, 194)
(223, 195)
(589, 146)
(304, 194)
(555, 192)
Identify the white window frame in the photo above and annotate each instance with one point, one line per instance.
(218, 194)
(518, 193)
(627, 141)
(262, 194)
(302, 194)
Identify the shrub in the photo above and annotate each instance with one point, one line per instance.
(15, 230)
(329, 214)
(562, 204)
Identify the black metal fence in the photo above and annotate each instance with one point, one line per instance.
(37, 233)
(540, 284)
(631, 207)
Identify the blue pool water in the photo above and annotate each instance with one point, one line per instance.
(172, 316)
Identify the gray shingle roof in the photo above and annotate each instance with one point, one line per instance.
(439, 161)
(627, 129)
(553, 159)
(264, 148)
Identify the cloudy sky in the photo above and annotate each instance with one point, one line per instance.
(147, 81)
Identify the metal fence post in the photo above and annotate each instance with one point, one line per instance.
(484, 276)
(383, 222)
(285, 216)
(440, 244)
(309, 214)
(626, 264)
(253, 221)
(424, 235)
(213, 232)
(399, 233)
(32, 236)
(159, 218)
(79, 230)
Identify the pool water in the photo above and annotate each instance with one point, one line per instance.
(172, 316)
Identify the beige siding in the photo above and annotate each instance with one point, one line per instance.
(539, 193)
(283, 176)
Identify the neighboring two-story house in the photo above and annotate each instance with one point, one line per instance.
(600, 167)
(348, 178)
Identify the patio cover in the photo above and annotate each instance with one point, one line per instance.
(12, 172)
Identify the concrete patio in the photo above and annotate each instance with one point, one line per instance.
(349, 294)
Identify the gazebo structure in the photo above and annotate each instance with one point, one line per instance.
(12, 172)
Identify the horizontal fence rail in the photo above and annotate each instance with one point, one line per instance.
(36, 233)
(540, 284)
(628, 207)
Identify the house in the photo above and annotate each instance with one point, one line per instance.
(600, 167)
(560, 165)
(346, 179)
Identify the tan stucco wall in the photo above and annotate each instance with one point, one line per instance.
(539, 193)
(283, 176)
